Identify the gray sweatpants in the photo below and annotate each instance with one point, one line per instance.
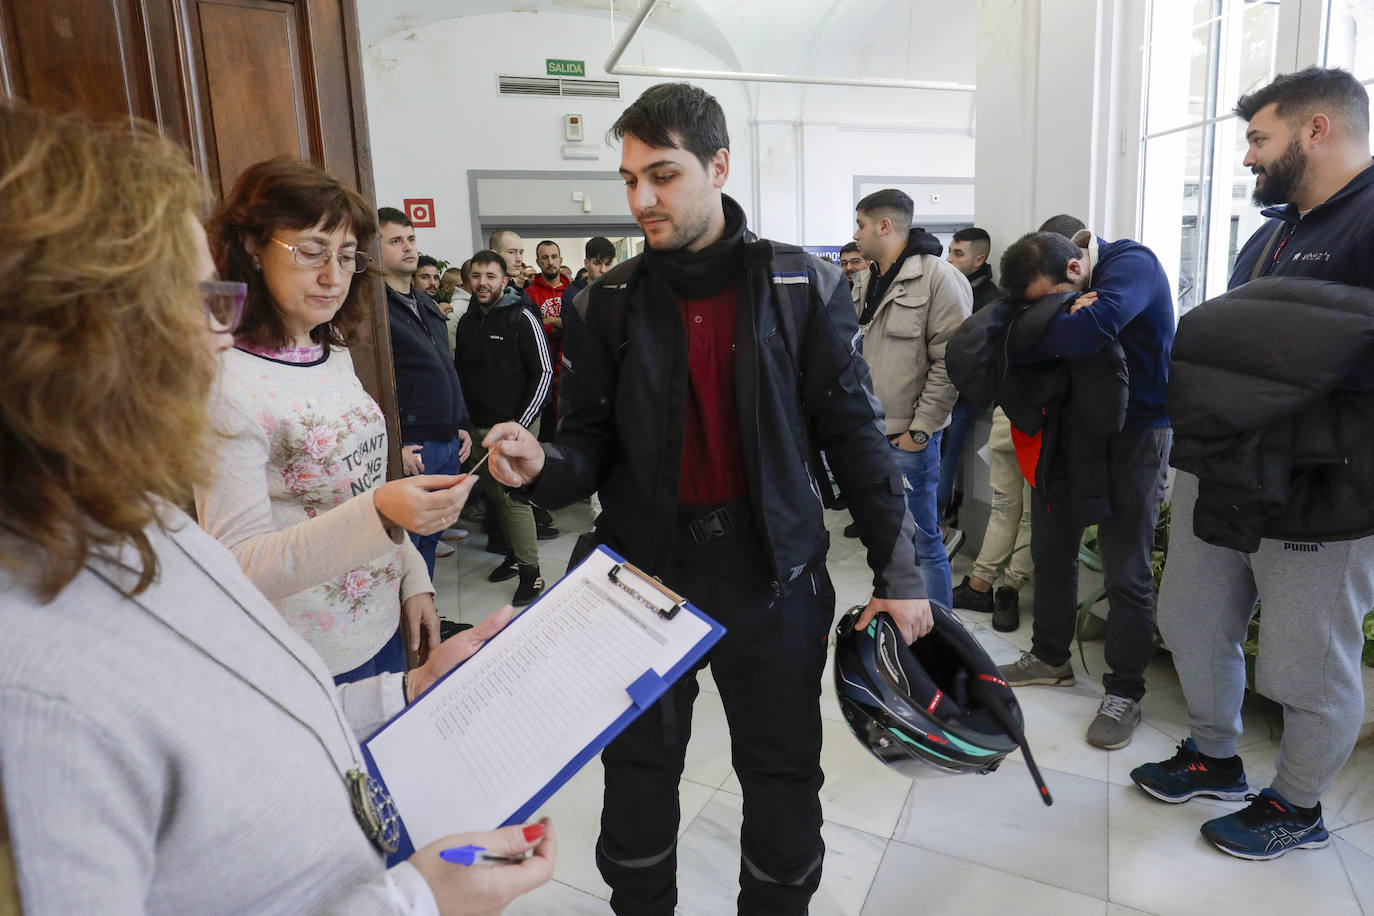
(1313, 599)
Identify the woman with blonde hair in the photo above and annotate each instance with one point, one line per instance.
(299, 493)
(170, 745)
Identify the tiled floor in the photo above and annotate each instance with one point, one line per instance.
(968, 845)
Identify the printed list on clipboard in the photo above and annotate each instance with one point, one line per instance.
(492, 740)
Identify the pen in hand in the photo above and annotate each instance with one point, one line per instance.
(471, 855)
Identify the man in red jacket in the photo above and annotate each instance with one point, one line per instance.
(546, 292)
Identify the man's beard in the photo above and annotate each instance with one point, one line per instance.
(1283, 177)
(684, 234)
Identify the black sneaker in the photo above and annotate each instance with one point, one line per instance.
(968, 598)
(954, 540)
(531, 584)
(449, 628)
(542, 516)
(1006, 610)
(851, 530)
(1268, 828)
(506, 569)
(1188, 774)
(545, 532)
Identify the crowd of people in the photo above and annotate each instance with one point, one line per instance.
(165, 348)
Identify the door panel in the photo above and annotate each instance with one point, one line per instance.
(234, 81)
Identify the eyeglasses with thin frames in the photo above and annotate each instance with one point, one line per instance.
(223, 300)
(314, 257)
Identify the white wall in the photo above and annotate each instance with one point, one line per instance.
(434, 112)
(1058, 114)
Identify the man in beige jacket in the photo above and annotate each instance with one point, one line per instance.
(910, 303)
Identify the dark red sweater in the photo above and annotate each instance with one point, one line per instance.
(712, 461)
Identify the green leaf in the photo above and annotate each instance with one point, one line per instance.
(1084, 609)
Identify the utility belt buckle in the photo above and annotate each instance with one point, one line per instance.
(714, 524)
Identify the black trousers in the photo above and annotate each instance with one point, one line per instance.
(768, 669)
(1137, 460)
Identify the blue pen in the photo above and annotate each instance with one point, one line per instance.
(471, 855)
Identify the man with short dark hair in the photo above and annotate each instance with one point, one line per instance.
(682, 402)
(429, 399)
(1305, 551)
(1063, 224)
(968, 252)
(1128, 302)
(598, 257)
(426, 275)
(503, 361)
(910, 303)
(851, 261)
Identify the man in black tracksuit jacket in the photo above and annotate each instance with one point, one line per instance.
(503, 361)
(693, 377)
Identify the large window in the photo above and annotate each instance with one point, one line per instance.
(1195, 207)
(1350, 40)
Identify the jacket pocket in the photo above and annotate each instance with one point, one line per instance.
(906, 316)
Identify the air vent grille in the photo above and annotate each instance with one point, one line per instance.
(553, 86)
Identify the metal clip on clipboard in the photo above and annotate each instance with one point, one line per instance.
(666, 613)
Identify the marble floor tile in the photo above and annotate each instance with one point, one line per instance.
(575, 810)
(1167, 710)
(1116, 909)
(708, 863)
(912, 880)
(708, 752)
(1056, 719)
(556, 897)
(1359, 868)
(1159, 863)
(1360, 835)
(1351, 799)
(998, 820)
(859, 792)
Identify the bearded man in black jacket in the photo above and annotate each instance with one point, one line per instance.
(1307, 551)
(688, 404)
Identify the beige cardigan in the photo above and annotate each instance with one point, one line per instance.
(905, 342)
(150, 773)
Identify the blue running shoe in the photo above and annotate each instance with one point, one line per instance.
(1187, 775)
(1266, 829)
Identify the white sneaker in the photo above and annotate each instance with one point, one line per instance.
(454, 534)
(444, 550)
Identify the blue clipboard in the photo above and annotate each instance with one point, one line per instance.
(643, 692)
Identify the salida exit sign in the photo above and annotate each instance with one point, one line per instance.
(565, 67)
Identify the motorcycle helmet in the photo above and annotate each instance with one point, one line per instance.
(938, 703)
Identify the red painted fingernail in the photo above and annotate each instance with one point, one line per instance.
(533, 832)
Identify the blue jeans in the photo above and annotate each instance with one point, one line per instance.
(390, 659)
(961, 422)
(921, 473)
(438, 458)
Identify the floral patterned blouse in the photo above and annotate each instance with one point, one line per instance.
(303, 448)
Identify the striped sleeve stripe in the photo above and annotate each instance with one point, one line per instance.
(532, 410)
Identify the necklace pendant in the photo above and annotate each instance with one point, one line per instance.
(375, 810)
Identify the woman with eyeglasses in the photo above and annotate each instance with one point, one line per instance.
(299, 492)
(169, 744)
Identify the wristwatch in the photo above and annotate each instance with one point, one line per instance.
(919, 436)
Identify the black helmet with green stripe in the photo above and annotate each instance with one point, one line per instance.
(937, 703)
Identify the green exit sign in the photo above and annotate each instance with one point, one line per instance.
(566, 67)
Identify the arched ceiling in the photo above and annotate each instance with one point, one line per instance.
(917, 39)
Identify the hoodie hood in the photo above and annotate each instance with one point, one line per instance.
(918, 242)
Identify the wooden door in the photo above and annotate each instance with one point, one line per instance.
(234, 81)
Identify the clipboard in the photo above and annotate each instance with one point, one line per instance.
(652, 607)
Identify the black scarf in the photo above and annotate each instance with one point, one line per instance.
(698, 274)
(918, 242)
